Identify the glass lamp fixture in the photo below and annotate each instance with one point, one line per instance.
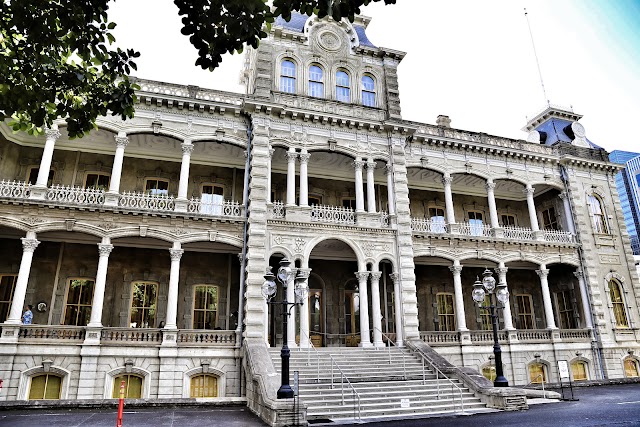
(300, 289)
(502, 293)
(478, 292)
(269, 285)
(488, 281)
(285, 272)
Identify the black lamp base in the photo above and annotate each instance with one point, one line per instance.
(285, 392)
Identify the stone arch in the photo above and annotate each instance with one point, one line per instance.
(360, 257)
(386, 257)
(559, 260)
(199, 370)
(136, 232)
(282, 250)
(484, 256)
(546, 366)
(584, 360)
(46, 368)
(630, 356)
(470, 171)
(127, 369)
(228, 239)
(15, 224)
(162, 131)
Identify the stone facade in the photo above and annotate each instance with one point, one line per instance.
(390, 221)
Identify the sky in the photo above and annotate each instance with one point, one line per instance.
(468, 59)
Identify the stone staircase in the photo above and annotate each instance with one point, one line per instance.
(373, 383)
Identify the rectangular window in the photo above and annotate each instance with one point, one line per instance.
(475, 223)
(436, 215)
(46, 386)
(7, 286)
(525, 312)
(144, 296)
(205, 307)
(349, 203)
(157, 187)
(97, 181)
(579, 371)
(549, 219)
(508, 220)
(33, 176)
(446, 312)
(565, 310)
(77, 311)
(537, 374)
(212, 199)
(485, 315)
(314, 200)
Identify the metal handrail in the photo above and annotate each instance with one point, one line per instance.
(544, 394)
(404, 363)
(353, 389)
(309, 347)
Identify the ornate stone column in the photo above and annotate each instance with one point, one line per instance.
(111, 196)
(304, 180)
(397, 308)
(365, 336)
(39, 190)
(390, 194)
(448, 199)
(357, 165)
(493, 211)
(104, 249)
(506, 311)
(586, 308)
(571, 228)
(533, 216)
(371, 191)
(456, 269)
(183, 185)
(29, 245)
(546, 297)
(291, 297)
(291, 176)
(304, 310)
(376, 311)
(174, 278)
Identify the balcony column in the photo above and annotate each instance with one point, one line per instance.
(371, 191)
(376, 311)
(390, 194)
(398, 308)
(271, 151)
(533, 217)
(304, 180)
(365, 336)
(291, 176)
(448, 199)
(39, 190)
(506, 311)
(183, 186)
(546, 296)
(29, 245)
(104, 249)
(111, 196)
(456, 269)
(305, 342)
(493, 211)
(567, 212)
(174, 276)
(357, 165)
(586, 308)
(291, 297)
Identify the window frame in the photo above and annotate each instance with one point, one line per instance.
(51, 177)
(545, 376)
(314, 83)
(618, 307)
(98, 174)
(291, 80)
(550, 222)
(144, 308)
(585, 365)
(370, 92)
(523, 314)
(475, 228)
(508, 216)
(205, 310)
(448, 319)
(46, 375)
(157, 180)
(116, 386)
(437, 225)
(204, 375)
(634, 361)
(66, 301)
(563, 310)
(598, 219)
(341, 87)
(7, 303)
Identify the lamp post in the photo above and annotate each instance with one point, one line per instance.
(269, 290)
(480, 289)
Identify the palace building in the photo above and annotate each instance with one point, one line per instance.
(143, 246)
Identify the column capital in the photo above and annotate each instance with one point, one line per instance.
(529, 190)
(292, 156)
(579, 274)
(394, 277)
(376, 275)
(490, 185)
(122, 140)
(52, 133)
(501, 270)
(358, 164)
(104, 249)
(563, 195)
(29, 245)
(187, 147)
(371, 165)
(362, 275)
(176, 254)
(304, 157)
(388, 168)
(447, 180)
(542, 273)
(304, 272)
(455, 269)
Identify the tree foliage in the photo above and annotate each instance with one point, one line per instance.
(56, 60)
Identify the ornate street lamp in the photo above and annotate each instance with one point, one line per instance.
(480, 289)
(268, 292)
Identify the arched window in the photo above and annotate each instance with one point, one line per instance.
(368, 91)
(343, 86)
(204, 385)
(579, 371)
(597, 215)
(617, 302)
(537, 373)
(46, 386)
(288, 77)
(132, 386)
(631, 367)
(316, 81)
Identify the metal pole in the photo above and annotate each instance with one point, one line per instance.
(285, 391)
(500, 380)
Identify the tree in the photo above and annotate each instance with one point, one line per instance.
(55, 57)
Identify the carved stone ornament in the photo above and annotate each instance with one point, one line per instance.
(299, 244)
(29, 245)
(329, 40)
(104, 250)
(176, 254)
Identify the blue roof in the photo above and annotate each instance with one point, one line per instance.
(362, 36)
(297, 24)
(558, 130)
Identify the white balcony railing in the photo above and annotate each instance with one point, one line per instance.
(384, 219)
(558, 236)
(75, 195)
(277, 211)
(146, 202)
(469, 229)
(15, 189)
(333, 214)
(224, 208)
(425, 225)
(518, 233)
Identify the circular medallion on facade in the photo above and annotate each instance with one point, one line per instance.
(329, 40)
(578, 129)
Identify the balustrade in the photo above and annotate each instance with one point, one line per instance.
(518, 233)
(223, 338)
(75, 195)
(333, 214)
(45, 332)
(146, 202)
(15, 189)
(469, 229)
(534, 335)
(425, 225)
(486, 336)
(277, 211)
(558, 236)
(131, 335)
(224, 208)
(438, 337)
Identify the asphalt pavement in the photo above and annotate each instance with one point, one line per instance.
(611, 406)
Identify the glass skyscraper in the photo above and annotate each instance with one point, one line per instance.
(628, 184)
